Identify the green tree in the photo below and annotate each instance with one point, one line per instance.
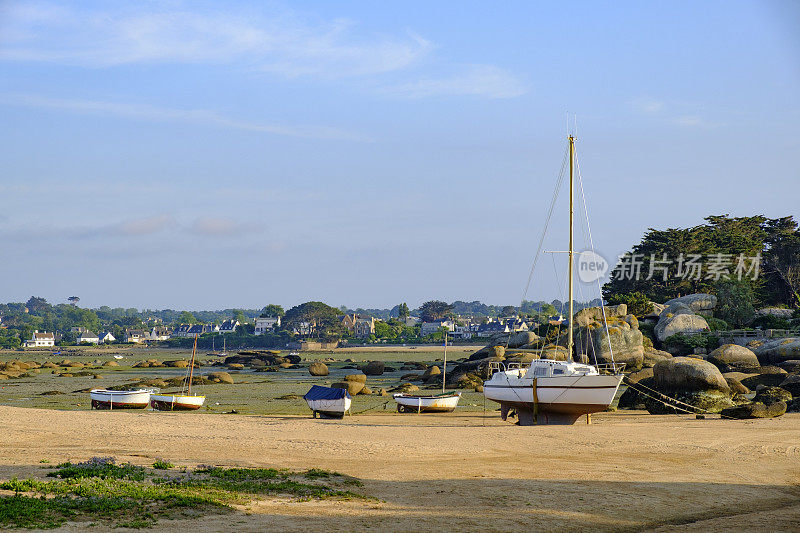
(238, 314)
(187, 318)
(73, 300)
(272, 310)
(435, 310)
(734, 302)
(508, 310)
(638, 304)
(321, 320)
(403, 311)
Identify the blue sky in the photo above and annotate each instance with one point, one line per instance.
(208, 155)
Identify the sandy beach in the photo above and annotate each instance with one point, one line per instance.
(467, 471)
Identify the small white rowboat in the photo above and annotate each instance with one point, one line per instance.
(120, 399)
(437, 403)
(176, 402)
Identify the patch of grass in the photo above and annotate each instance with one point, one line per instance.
(131, 496)
(160, 464)
(43, 461)
(99, 467)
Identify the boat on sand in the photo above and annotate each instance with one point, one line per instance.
(120, 399)
(445, 402)
(180, 402)
(328, 402)
(549, 391)
(436, 403)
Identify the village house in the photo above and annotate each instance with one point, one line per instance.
(493, 327)
(106, 337)
(229, 326)
(160, 333)
(135, 336)
(192, 330)
(77, 330)
(432, 327)
(357, 325)
(265, 324)
(40, 340)
(88, 336)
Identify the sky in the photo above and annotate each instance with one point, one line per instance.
(205, 155)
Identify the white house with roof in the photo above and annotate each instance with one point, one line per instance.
(160, 333)
(229, 326)
(40, 340)
(135, 336)
(88, 336)
(432, 327)
(106, 337)
(266, 324)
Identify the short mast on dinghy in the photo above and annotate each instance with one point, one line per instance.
(191, 366)
(444, 363)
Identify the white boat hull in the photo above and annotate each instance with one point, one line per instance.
(559, 399)
(176, 402)
(330, 408)
(119, 399)
(410, 403)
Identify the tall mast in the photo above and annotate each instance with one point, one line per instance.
(571, 244)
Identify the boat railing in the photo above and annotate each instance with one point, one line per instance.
(500, 366)
(610, 368)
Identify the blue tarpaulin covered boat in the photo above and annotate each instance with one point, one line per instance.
(328, 402)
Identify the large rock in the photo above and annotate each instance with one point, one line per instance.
(688, 374)
(360, 378)
(791, 384)
(770, 395)
(431, 372)
(697, 302)
(352, 387)
(754, 410)
(373, 368)
(619, 342)
(778, 312)
(491, 350)
(734, 358)
(555, 352)
(671, 324)
(778, 350)
(653, 356)
(736, 386)
(769, 376)
(523, 338)
(792, 366)
(220, 377)
(318, 369)
(586, 316)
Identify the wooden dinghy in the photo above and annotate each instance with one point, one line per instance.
(328, 402)
(120, 399)
(436, 403)
(180, 402)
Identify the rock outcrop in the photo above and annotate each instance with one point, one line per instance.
(653, 356)
(700, 303)
(734, 358)
(754, 410)
(670, 324)
(692, 381)
(778, 350)
(621, 337)
(373, 368)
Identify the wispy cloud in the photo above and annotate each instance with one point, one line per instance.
(472, 80)
(163, 114)
(214, 226)
(673, 113)
(152, 32)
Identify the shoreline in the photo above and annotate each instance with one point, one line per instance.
(624, 471)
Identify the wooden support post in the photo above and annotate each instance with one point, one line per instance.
(588, 418)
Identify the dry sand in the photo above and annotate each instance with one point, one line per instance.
(455, 472)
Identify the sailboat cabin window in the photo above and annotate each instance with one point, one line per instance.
(540, 371)
(558, 371)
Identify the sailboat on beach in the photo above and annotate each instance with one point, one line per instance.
(214, 353)
(550, 391)
(431, 403)
(180, 402)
